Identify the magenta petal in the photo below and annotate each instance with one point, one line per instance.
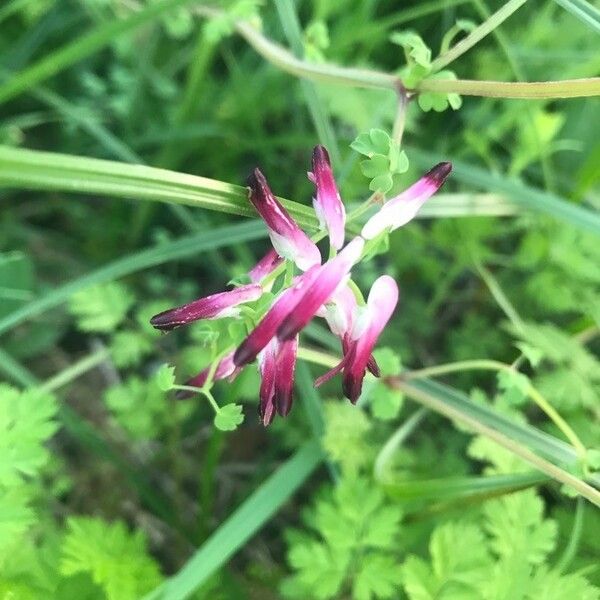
(284, 385)
(262, 334)
(211, 307)
(327, 202)
(265, 266)
(329, 277)
(225, 368)
(288, 239)
(267, 361)
(381, 303)
(400, 210)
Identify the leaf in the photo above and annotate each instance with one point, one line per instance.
(165, 377)
(116, 559)
(377, 576)
(385, 403)
(229, 417)
(345, 438)
(15, 517)
(439, 102)
(128, 347)
(102, 307)
(414, 46)
(388, 361)
(27, 421)
(552, 585)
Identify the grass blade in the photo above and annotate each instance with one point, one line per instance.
(242, 524)
(30, 169)
(82, 47)
(520, 194)
(584, 11)
(184, 247)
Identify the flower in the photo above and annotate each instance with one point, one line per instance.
(320, 290)
(287, 238)
(327, 202)
(368, 323)
(400, 210)
(277, 363)
(217, 306)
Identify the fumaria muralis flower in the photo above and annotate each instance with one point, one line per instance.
(320, 290)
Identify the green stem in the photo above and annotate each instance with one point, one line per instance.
(75, 370)
(567, 88)
(400, 120)
(477, 34)
(493, 365)
(369, 78)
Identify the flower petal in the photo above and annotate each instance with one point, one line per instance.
(262, 334)
(224, 369)
(284, 383)
(267, 362)
(288, 239)
(266, 265)
(328, 279)
(381, 303)
(211, 307)
(400, 210)
(327, 202)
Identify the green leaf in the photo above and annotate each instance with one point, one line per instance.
(377, 576)
(384, 402)
(414, 46)
(377, 165)
(102, 307)
(116, 559)
(439, 101)
(27, 421)
(388, 361)
(129, 347)
(165, 377)
(229, 417)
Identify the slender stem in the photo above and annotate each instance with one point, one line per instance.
(395, 441)
(400, 120)
(369, 78)
(586, 490)
(571, 549)
(318, 358)
(567, 88)
(75, 370)
(477, 34)
(493, 365)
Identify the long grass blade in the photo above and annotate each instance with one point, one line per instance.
(254, 512)
(29, 169)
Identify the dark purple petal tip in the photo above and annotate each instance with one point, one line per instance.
(439, 173)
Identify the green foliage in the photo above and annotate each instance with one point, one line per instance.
(116, 559)
(101, 308)
(229, 417)
(351, 521)
(503, 557)
(385, 159)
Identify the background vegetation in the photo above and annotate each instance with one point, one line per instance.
(479, 487)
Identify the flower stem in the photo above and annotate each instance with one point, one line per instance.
(75, 370)
(477, 34)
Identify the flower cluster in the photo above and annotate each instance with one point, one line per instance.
(321, 289)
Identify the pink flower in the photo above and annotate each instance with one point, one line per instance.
(367, 327)
(276, 363)
(329, 277)
(327, 202)
(224, 369)
(287, 238)
(265, 266)
(264, 332)
(400, 210)
(217, 306)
